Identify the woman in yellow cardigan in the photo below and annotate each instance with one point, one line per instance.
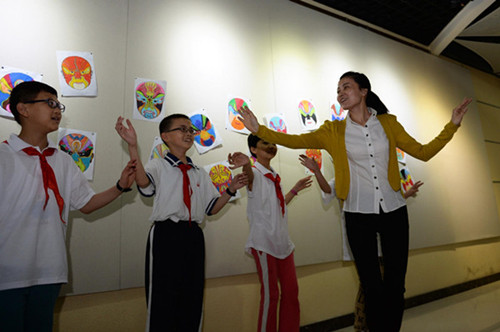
(363, 149)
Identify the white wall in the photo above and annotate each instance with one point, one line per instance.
(275, 53)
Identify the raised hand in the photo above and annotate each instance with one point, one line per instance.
(238, 182)
(459, 112)
(249, 119)
(127, 177)
(309, 163)
(237, 160)
(413, 190)
(127, 134)
(302, 184)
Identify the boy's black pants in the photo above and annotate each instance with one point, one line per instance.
(175, 276)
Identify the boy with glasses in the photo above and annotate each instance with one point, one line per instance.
(175, 258)
(38, 186)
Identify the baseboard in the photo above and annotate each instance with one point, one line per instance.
(340, 322)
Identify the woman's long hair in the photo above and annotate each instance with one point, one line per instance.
(372, 100)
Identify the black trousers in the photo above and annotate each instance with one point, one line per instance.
(175, 276)
(384, 296)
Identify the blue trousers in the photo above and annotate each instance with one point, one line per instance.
(28, 309)
(384, 295)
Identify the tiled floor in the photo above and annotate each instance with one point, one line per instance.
(477, 310)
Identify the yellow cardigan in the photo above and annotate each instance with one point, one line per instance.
(331, 137)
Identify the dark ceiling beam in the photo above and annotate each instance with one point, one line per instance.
(362, 23)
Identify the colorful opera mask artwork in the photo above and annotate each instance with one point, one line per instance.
(401, 155)
(406, 179)
(77, 72)
(159, 151)
(253, 160)
(233, 106)
(7, 83)
(221, 177)
(80, 148)
(307, 114)
(206, 135)
(149, 97)
(316, 155)
(278, 124)
(338, 113)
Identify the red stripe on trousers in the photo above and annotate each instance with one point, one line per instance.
(276, 271)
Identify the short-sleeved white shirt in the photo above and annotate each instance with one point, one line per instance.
(268, 227)
(32, 240)
(167, 187)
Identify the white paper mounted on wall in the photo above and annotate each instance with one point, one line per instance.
(232, 122)
(149, 99)
(9, 78)
(77, 75)
(276, 122)
(407, 180)
(159, 149)
(307, 114)
(81, 146)
(221, 176)
(207, 137)
(401, 156)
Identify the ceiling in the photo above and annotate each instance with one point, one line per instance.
(465, 31)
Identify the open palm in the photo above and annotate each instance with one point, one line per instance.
(127, 134)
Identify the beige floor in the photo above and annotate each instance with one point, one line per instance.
(477, 310)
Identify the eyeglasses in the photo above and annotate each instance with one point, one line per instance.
(185, 130)
(51, 102)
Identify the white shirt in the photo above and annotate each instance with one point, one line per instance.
(167, 183)
(368, 156)
(32, 240)
(346, 249)
(268, 227)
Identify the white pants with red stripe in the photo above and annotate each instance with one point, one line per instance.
(271, 271)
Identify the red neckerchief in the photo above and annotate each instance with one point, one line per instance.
(276, 180)
(49, 178)
(186, 188)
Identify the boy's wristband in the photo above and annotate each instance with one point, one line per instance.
(294, 192)
(230, 193)
(123, 190)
